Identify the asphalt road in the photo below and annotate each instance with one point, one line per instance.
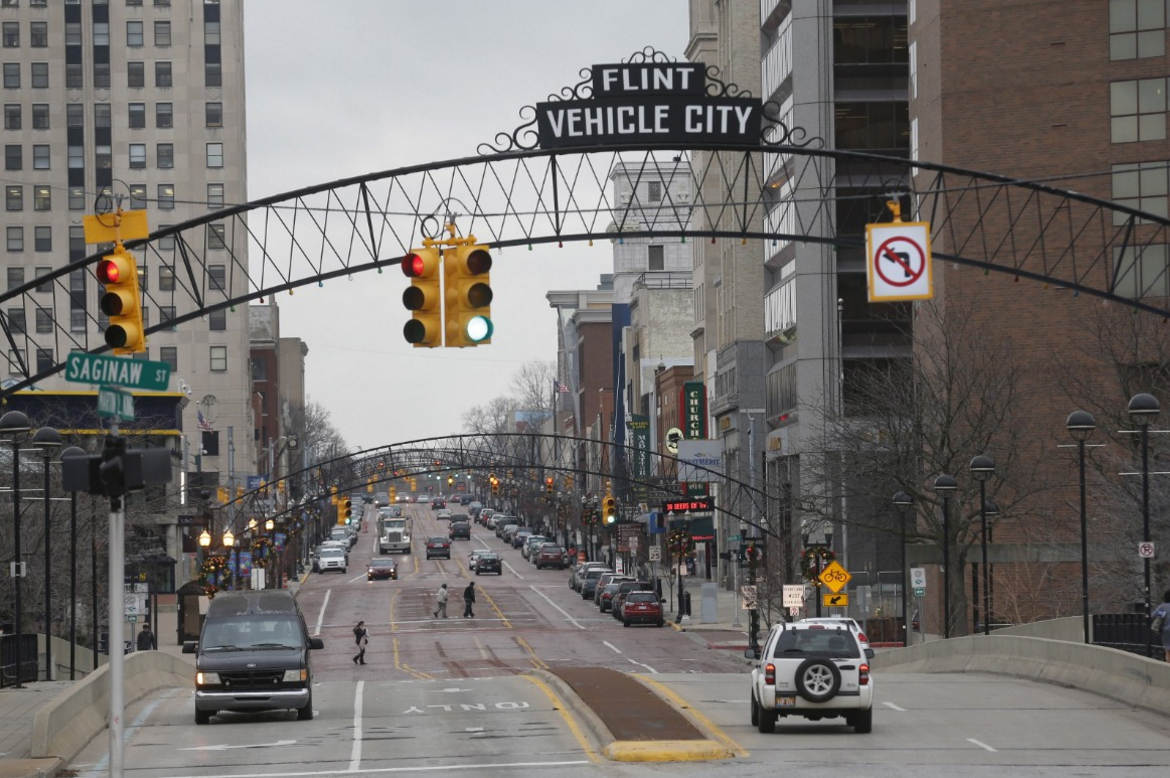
(447, 697)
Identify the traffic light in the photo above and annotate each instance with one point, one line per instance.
(609, 509)
(421, 266)
(344, 510)
(568, 483)
(369, 484)
(548, 485)
(393, 494)
(495, 485)
(122, 302)
(467, 318)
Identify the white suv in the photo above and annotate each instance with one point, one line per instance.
(817, 671)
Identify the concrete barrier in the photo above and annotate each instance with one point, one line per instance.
(62, 727)
(1128, 678)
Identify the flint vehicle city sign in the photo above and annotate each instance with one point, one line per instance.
(649, 102)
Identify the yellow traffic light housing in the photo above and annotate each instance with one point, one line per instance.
(548, 485)
(344, 510)
(423, 298)
(495, 485)
(118, 272)
(609, 510)
(393, 494)
(467, 317)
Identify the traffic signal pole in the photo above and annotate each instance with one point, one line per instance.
(115, 642)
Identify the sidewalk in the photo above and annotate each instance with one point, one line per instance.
(17, 709)
(721, 634)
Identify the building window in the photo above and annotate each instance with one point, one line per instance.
(1141, 272)
(14, 198)
(211, 33)
(212, 74)
(74, 115)
(166, 279)
(214, 155)
(165, 155)
(42, 238)
(41, 156)
(162, 2)
(162, 33)
(166, 197)
(215, 196)
(45, 360)
(216, 277)
(214, 114)
(166, 242)
(16, 363)
(15, 275)
(40, 75)
(74, 76)
(42, 197)
(135, 74)
(217, 321)
(103, 158)
(1140, 185)
(77, 319)
(44, 320)
(654, 191)
(102, 115)
(137, 156)
(216, 237)
(101, 75)
(16, 321)
(76, 244)
(170, 355)
(164, 115)
(1137, 29)
(134, 3)
(162, 74)
(137, 116)
(78, 199)
(166, 313)
(134, 37)
(137, 197)
(40, 116)
(11, 35)
(101, 33)
(12, 75)
(45, 286)
(873, 126)
(657, 258)
(15, 242)
(1137, 110)
(13, 157)
(12, 116)
(73, 33)
(218, 359)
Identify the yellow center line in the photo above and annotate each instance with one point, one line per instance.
(537, 662)
(703, 721)
(499, 613)
(393, 603)
(563, 709)
(399, 665)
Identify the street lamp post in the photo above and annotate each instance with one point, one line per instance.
(982, 468)
(1080, 425)
(72, 451)
(1143, 409)
(14, 425)
(47, 441)
(904, 503)
(229, 541)
(946, 485)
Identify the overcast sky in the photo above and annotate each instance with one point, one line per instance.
(340, 88)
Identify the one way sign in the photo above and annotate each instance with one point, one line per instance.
(835, 600)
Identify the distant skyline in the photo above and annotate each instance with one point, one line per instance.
(339, 89)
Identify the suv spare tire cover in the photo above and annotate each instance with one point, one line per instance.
(818, 679)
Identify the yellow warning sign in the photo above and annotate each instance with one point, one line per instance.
(835, 600)
(834, 577)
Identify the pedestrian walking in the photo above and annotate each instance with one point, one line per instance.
(441, 602)
(145, 639)
(361, 636)
(1161, 623)
(469, 601)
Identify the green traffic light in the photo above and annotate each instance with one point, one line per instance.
(479, 328)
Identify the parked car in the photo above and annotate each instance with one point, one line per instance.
(459, 530)
(503, 530)
(642, 608)
(382, 569)
(503, 522)
(812, 670)
(623, 591)
(489, 563)
(438, 548)
(549, 555)
(589, 582)
(519, 537)
(530, 544)
(606, 580)
(605, 594)
(579, 571)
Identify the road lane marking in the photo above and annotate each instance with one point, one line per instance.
(414, 769)
(360, 577)
(639, 664)
(400, 665)
(572, 620)
(894, 707)
(560, 707)
(511, 568)
(611, 645)
(536, 661)
(226, 747)
(393, 604)
(710, 726)
(492, 604)
(483, 652)
(355, 753)
(101, 767)
(984, 746)
(321, 614)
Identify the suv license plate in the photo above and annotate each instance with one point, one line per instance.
(785, 702)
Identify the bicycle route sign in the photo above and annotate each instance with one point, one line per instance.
(835, 577)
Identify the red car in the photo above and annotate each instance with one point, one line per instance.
(642, 608)
(550, 556)
(382, 568)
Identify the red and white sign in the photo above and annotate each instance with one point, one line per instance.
(1146, 550)
(898, 261)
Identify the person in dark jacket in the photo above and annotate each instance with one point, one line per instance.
(469, 600)
(145, 639)
(362, 638)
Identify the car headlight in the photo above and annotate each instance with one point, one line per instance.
(207, 679)
(292, 676)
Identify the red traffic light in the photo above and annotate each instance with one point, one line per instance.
(108, 272)
(413, 266)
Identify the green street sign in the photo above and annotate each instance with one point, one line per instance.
(920, 591)
(82, 368)
(115, 402)
(735, 538)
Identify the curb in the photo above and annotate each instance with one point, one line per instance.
(31, 768)
(598, 732)
(665, 751)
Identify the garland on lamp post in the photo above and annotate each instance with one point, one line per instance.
(216, 573)
(815, 559)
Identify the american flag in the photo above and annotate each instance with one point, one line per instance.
(561, 388)
(203, 423)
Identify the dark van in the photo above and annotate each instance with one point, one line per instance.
(253, 654)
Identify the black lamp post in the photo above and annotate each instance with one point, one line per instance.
(945, 485)
(904, 503)
(1080, 425)
(14, 425)
(72, 451)
(1143, 409)
(982, 468)
(47, 441)
(229, 540)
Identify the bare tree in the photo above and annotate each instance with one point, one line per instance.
(491, 418)
(532, 385)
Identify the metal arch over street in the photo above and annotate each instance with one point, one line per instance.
(523, 197)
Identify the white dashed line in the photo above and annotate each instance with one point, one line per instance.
(892, 706)
(984, 746)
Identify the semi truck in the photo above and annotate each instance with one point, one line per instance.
(394, 534)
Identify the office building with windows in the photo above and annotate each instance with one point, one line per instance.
(142, 100)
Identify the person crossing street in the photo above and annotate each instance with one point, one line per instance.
(469, 601)
(441, 602)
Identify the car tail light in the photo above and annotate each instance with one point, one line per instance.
(863, 676)
(770, 674)
(861, 636)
